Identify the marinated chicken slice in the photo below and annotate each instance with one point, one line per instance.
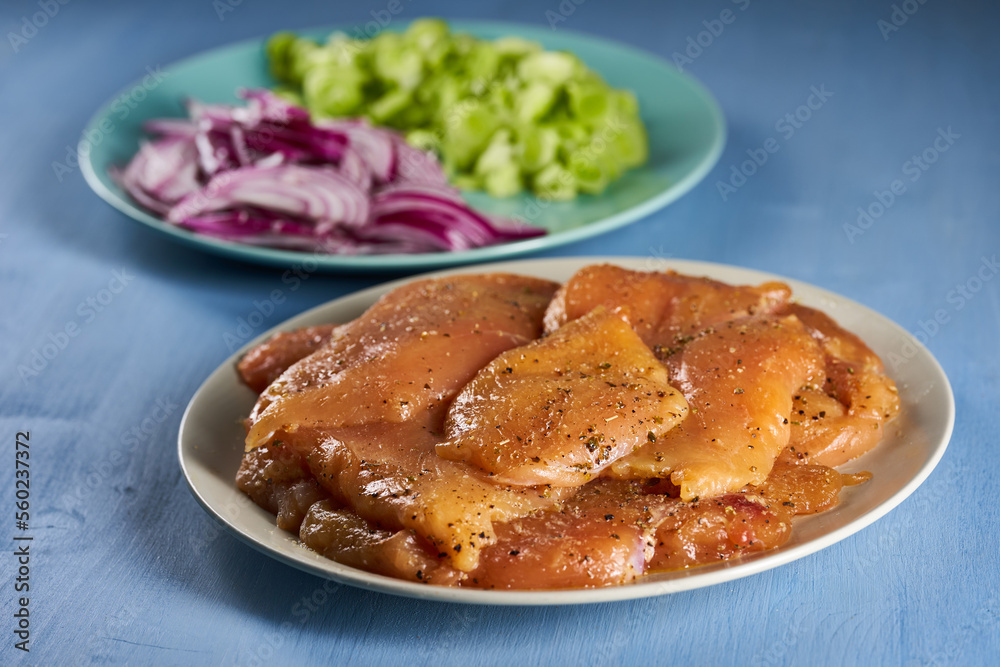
(665, 308)
(603, 536)
(612, 531)
(263, 364)
(389, 475)
(279, 480)
(367, 409)
(717, 529)
(845, 413)
(413, 349)
(739, 379)
(561, 409)
(343, 536)
(756, 519)
(802, 488)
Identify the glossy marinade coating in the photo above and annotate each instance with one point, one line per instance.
(388, 486)
(665, 308)
(738, 378)
(561, 409)
(412, 350)
(367, 408)
(264, 363)
(844, 414)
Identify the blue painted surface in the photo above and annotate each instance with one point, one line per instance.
(127, 569)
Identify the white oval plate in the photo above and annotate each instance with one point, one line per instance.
(211, 446)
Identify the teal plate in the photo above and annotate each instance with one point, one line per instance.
(685, 125)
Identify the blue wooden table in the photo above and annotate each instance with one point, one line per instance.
(873, 130)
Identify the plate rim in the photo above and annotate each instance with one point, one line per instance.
(680, 581)
(421, 261)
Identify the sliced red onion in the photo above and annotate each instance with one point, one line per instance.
(219, 114)
(239, 142)
(272, 160)
(416, 166)
(266, 106)
(216, 152)
(170, 127)
(162, 172)
(248, 222)
(399, 190)
(320, 195)
(265, 175)
(376, 146)
(297, 144)
(354, 168)
(434, 216)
